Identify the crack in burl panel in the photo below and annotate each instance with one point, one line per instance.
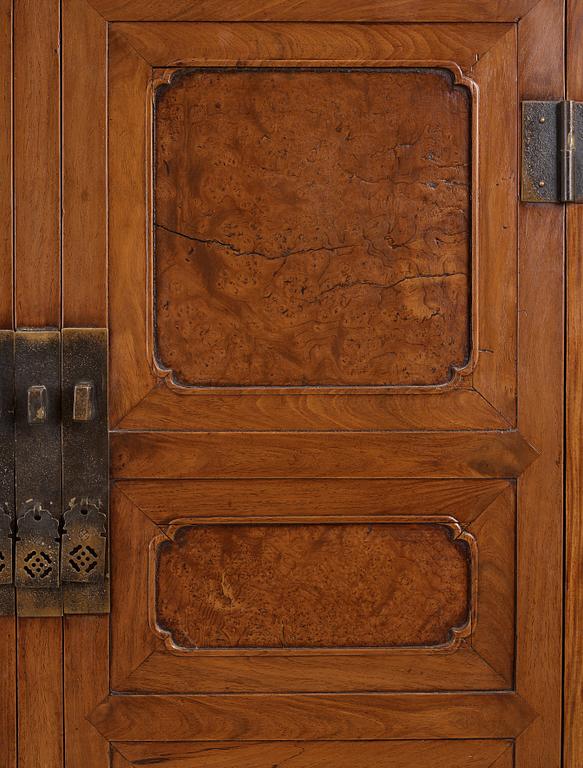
(312, 227)
(316, 585)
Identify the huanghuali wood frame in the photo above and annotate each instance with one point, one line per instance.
(519, 351)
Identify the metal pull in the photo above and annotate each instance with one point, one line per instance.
(37, 547)
(84, 401)
(37, 404)
(54, 473)
(84, 540)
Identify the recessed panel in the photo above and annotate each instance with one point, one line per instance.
(313, 585)
(312, 227)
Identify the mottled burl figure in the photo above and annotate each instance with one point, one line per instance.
(233, 586)
(313, 227)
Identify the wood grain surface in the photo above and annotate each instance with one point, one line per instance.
(240, 44)
(37, 213)
(6, 191)
(143, 662)
(312, 227)
(8, 685)
(325, 717)
(164, 502)
(8, 701)
(314, 409)
(84, 166)
(334, 10)
(37, 204)
(323, 454)
(497, 229)
(40, 692)
(85, 684)
(573, 706)
(140, 388)
(282, 586)
(541, 380)
(249, 696)
(301, 754)
(126, 163)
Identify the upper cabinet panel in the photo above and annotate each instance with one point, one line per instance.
(312, 227)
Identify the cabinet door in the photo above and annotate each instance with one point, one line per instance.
(336, 383)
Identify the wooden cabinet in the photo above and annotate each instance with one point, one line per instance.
(336, 381)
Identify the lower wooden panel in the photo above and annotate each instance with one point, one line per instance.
(297, 754)
(147, 658)
(398, 583)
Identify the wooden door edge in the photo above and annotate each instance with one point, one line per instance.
(573, 637)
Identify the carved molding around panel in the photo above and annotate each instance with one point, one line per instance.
(320, 248)
(308, 585)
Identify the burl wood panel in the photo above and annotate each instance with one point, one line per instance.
(312, 227)
(315, 585)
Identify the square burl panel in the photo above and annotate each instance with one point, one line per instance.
(312, 227)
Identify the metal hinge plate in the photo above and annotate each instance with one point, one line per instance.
(55, 472)
(552, 152)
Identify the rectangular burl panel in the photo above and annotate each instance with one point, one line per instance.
(312, 585)
(312, 227)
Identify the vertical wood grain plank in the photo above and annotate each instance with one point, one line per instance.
(84, 166)
(36, 162)
(7, 623)
(8, 692)
(6, 163)
(540, 418)
(37, 294)
(86, 684)
(40, 693)
(495, 375)
(573, 706)
(86, 638)
(130, 376)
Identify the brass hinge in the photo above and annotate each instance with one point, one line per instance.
(552, 152)
(55, 472)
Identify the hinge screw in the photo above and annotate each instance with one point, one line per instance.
(541, 183)
(542, 119)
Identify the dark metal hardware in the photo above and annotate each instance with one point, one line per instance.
(6, 570)
(84, 401)
(37, 358)
(37, 548)
(37, 404)
(84, 570)
(552, 152)
(7, 513)
(83, 543)
(53, 436)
